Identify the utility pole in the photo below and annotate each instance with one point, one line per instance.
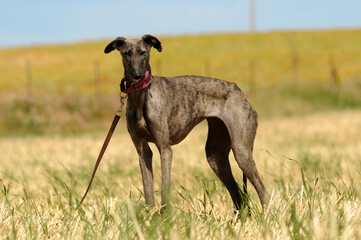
(252, 16)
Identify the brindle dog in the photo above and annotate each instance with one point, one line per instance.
(167, 110)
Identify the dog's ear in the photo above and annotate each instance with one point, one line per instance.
(152, 41)
(115, 44)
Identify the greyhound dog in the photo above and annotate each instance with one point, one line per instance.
(163, 110)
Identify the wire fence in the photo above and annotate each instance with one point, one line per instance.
(251, 81)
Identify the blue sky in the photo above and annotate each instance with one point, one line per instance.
(24, 23)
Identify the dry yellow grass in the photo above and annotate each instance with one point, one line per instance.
(310, 163)
(35, 203)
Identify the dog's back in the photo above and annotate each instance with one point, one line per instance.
(187, 100)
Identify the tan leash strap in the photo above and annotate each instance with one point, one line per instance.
(117, 116)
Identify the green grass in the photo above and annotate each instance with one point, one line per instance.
(76, 114)
(289, 100)
(51, 114)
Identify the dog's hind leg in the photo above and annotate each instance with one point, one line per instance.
(242, 130)
(246, 163)
(217, 150)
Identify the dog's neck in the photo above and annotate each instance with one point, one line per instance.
(137, 94)
(127, 86)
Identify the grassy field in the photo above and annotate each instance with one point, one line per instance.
(70, 68)
(312, 171)
(64, 96)
(308, 145)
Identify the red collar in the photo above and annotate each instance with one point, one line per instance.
(127, 87)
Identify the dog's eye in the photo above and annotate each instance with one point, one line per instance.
(128, 53)
(143, 53)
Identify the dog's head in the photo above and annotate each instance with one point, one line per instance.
(135, 54)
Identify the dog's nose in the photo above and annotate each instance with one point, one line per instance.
(137, 76)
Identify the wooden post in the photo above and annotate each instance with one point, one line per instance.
(335, 79)
(159, 67)
(252, 77)
(295, 65)
(96, 79)
(29, 79)
(207, 69)
(29, 86)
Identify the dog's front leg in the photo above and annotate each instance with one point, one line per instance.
(166, 165)
(145, 162)
(138, 99)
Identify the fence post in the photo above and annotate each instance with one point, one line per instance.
(96, 78)
(252, 76)
(335, 79)
(207, 69)
(29, 79)
(295, 64)
(159, 67)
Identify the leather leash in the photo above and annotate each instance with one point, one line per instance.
(117, 116)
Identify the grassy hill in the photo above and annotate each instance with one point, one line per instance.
(291, 76)
(276, 56)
